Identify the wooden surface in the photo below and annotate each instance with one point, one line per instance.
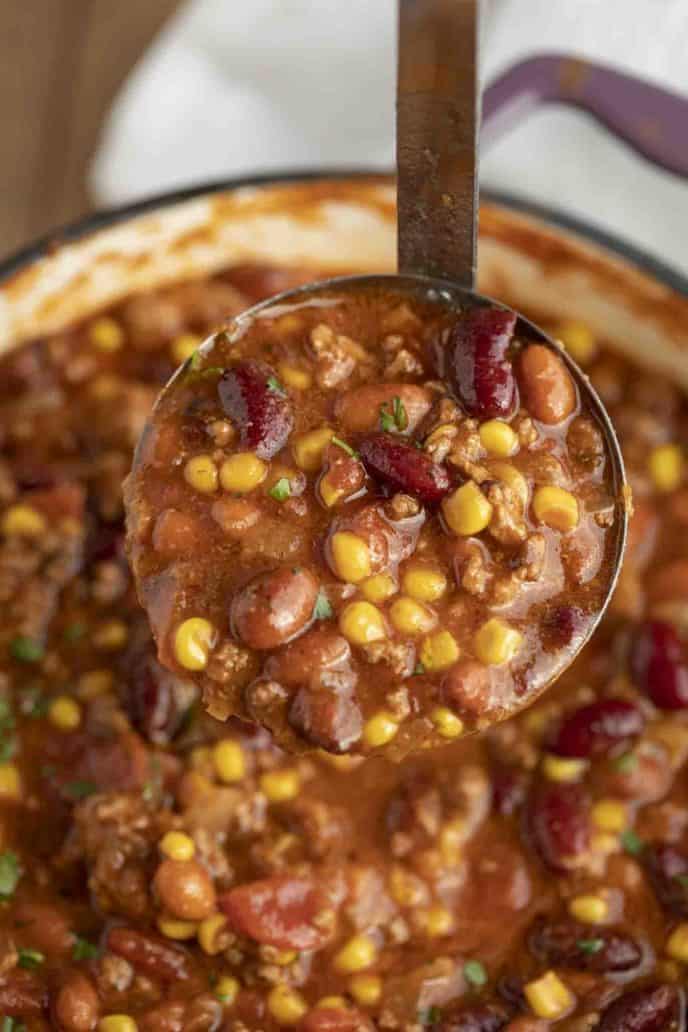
(61, 62)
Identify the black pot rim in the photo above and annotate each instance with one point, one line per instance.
(112, 216)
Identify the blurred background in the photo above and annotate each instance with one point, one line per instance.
(103, 102)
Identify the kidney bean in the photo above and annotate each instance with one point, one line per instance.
(564, 624)
(646, 780)
(22, 994)
(185, 889)
(586, 444)
(559, 825)
(594, 729)
(559, 945)
(477, 365)
(277, 911)
(274, 607)
(509, 788)
(667, 866)
(76, 1004)
(481, 1017)
(318, 649)
(155, 698)
(252, 397)
(651, 1009)
(404, 468)
(550, 393)
(358, 410)
(326, 714)
(658, 665)
(201, 1014)
(336, 1019)
(149, 954)
(42, 926)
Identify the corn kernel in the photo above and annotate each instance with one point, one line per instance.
(329, 493)
(356, 955)
(379, 729)
(361, 623)
(23, 521)
(283, 958)
(183, 347)
(309, 449)
(171, 928)
(509, 475)
(424, 583)
(242, 473)
(177, 846)
(677, 944)
(193, 641)
(94, 683)
(451, 839)
(332, 1003)
(604, 844)
(549, 997)
(562, 768)
(406, 888)
(410, 617)
(350, 556)
(556, 508)
(438, 921)
(496, 642)
(229, 761)
(366, 989)
(105, 334)
(589, 909)
(299, 379)
(227, 989)
(378, 588)
(610, 815)
(578, 340)
(666, 467)
(280, 785)
(446, 722)
(286, 1005)
(209, 934)
(200, 472)
(498, 439)
(439, 651)
(117, 1023)
(64, 713)
(111, 635)
(467, 510)
(10, 782)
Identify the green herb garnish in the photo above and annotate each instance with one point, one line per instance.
(397, 419)
(12, 1025)
(322, 609)
(30, 959)
(345, 447)
(10, 873)
(281, 490)
(26, 650)
(33, 702)
(80, 789)
(7, 726)
(590, 946)
(430, 1016)
(631, 842)
(419, 668)
(195, 360)
(626, 763)
(275, 386)
(475, 973)
(83, 949)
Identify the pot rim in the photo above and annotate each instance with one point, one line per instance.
(103, 218)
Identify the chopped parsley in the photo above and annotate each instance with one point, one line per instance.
(83, 949)
(626, 763)
(275, 386)
(397, 419)
(26, 650)
(475, 973)
(7, 726)
(34, 703)
(631, 842)
(12, 1025)
(322, 609)
(281, 490)
(30, 959)
(430, 1016)
(590, 946)
(80, 789)
(10, 873)
(419, 668)
(345, 447)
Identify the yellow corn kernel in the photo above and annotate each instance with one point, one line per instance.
(286, 1005)
(677, 944)
(193, 641)
(23, 521)
(226, 989)
(610, 815)
(406, 888)
(356, 955)
(350, 556)
(105, 334)
(309, 449)
(366, 989)
(299, 379)
(578, 340)
(171, 928)
(94, 683)
(378, 588)
(183, 347)
(209, 934)
(513, 479)
(283, 958)
(177, 845)
(111, 635)
(332, 1003)
(451, 838)
(439, 651)
(410, 617)
(64, 713)
(379, 729)
(666, 467)
(329, 494)
(229, 761)
(200, 472)
(556, 508)
(242, 473)
(589, 909)
(361, 623)
(498, 439)
(604, 843)
(424, 583)
(549, 997)
(279, 786)
(467, 510)
(562, 768)
(10, 782)
(496, 642)
(438, 921)
(446, 722)
(117, 1023)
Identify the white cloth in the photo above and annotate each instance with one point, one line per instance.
(233, 87)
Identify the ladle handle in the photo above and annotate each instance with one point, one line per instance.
(438, 116)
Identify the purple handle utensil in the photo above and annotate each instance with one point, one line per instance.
(651, 120)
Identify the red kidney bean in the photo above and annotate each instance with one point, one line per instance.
(277, 911)
(667, 866)
(154, 698)
(76, 1004)
(321, 648)
(326, 714)
(594, 729)
(642, 1010)
(509, 788)
(658, 665)
(481, 1017)
(336, 1019)
(404, 468)
(559, 824)
(479, 371)
(567, 944)
(564, 624)
(274, 607)
(549, 391)
(253, 398)
(22, 994)
(149, 954)
(42, 926)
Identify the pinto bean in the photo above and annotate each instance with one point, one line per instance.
(466, 687)
(359, 410)
(176, 533)
(76, 1005)
(274, 607)
(316, 650)
(235, 515)
(549, 391)
(185, 889)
